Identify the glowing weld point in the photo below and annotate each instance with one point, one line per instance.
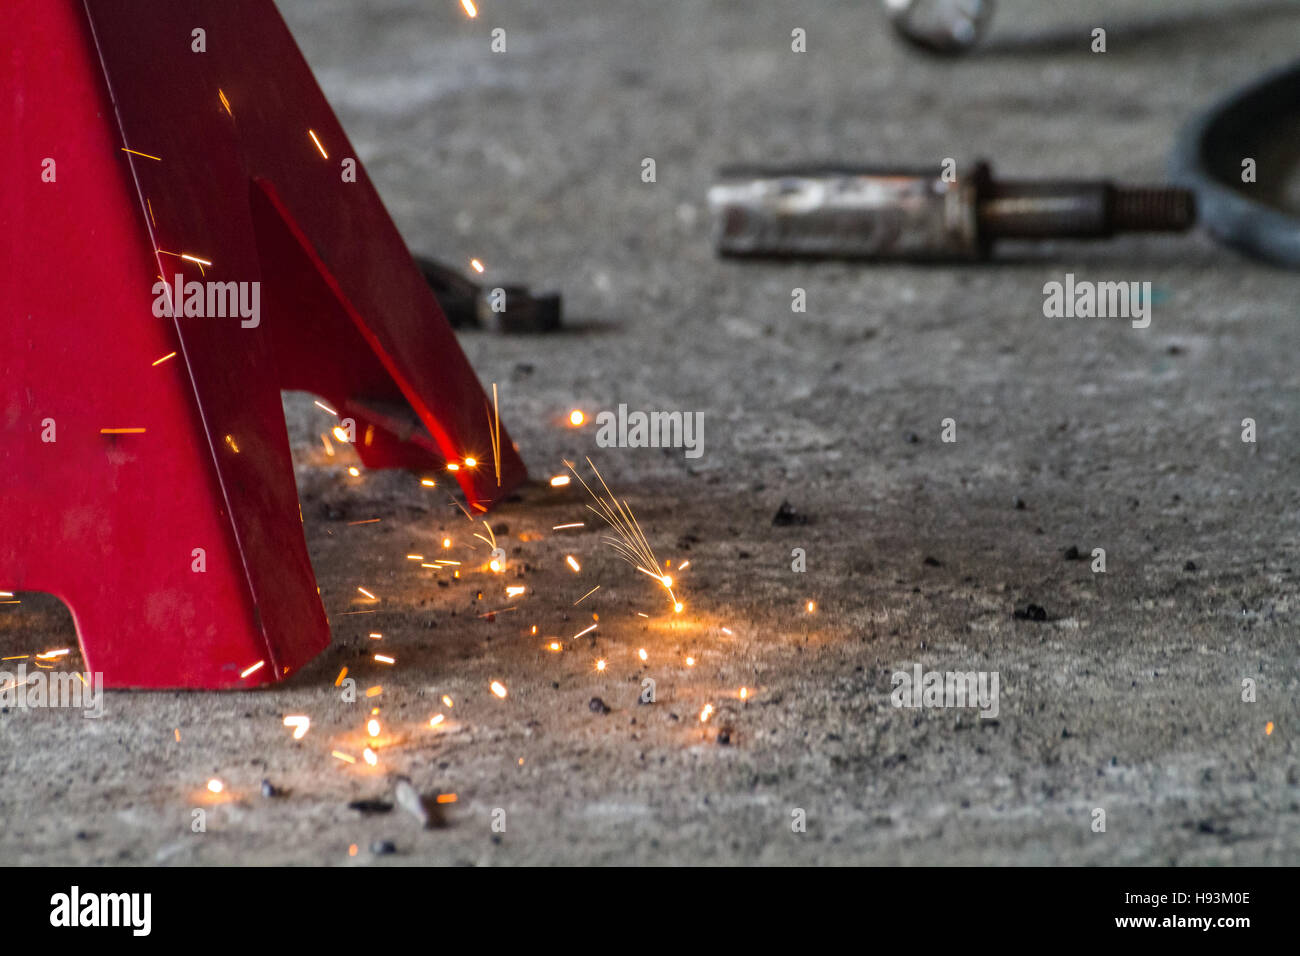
(470, 9)
(812, 607)
(215, 785)
(573, 563)
(312, 134)
(576, 417)
(341, 434)
(499, 689)
(252, 670)
(373, 728)
(354, 472)
(554, 646)
(642, 654)
(368, 594)
(299, 724)
(371, 757)
(744, 693)
(471, 462)
(690, 662)
(678, 607)
(600, 665)
(446, 542)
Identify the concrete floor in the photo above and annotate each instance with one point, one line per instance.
(1128, 698)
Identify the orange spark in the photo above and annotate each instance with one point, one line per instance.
(312, 134)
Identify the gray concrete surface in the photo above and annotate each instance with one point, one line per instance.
(1127, 699)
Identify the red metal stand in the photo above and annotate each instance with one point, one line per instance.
(225, 165)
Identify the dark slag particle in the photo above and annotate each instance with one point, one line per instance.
(1189, 566)
(598, 706)
(383, 847)
(1032, 612)
(786, 515)
(1072, 554)
(367, 807)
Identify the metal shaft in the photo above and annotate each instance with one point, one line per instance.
(836, 212)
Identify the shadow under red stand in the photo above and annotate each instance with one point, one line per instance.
(222, 166)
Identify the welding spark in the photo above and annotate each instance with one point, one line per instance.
(299, 724)
(515, 590)
(629, 541)
(446, 699)
(373, 728)
(576, 417)
(367, 594)
(576, 524)
(340, 755)
(554, 646)
(136, 152)
(600, 664)
(476, 265)
(428, 482)
(371, 757)
(559, 481)
(573, 563)
(312, 134)
(587, 595)
(327, 408)
(470, 9)
(341, 434)
(252, 670)
(384, 659)
(354, 471)
(165, 358)
(584, 631)
(376, 635)
(215, 785)
(706, 713)
(226, 103)
(499, 689)
(436, 720)
(338, 681)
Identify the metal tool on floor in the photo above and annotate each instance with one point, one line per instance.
(1235, 169)
(508, 309)
(931, 215)
(145, 470)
